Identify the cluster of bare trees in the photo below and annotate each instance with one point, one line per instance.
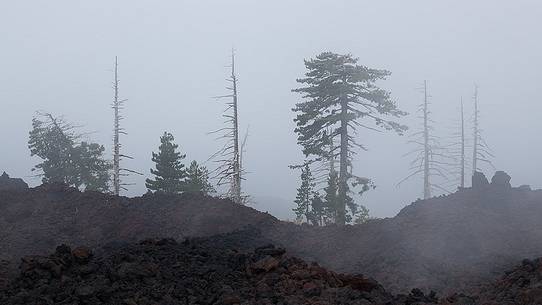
(443, 164)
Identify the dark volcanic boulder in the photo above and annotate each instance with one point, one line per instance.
(8, 184)
(501, 180)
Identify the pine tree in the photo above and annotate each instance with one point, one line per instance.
(317, 210)
(170, 173)
(52, 140)
(331, 197)
(363, 216)
(304, 194)
(338, 95)
(197, 180)
(91, 167)
(65, 159)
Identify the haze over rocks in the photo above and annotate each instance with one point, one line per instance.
(447, 244)
(163, 271)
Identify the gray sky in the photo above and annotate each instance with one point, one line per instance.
(57, 56)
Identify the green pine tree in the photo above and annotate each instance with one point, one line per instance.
(362, 215)
(317, 210)
(65, 160)
(170, 173)
(331, 197)
(304, 194)
(340, 96)
(197, 180)
(92, 168)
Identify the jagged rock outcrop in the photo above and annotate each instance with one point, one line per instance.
(10, 184)
(501, 180)
(479, 181)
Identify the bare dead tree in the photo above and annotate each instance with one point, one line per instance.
(229, 170)
(462, 156)
(457, 151)
(243, 149)
(118, 105)
(429, 158)
(481, 153)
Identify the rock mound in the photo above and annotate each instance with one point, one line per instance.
(162, 271)
(38, 219)
(447, 244)
(12, 184)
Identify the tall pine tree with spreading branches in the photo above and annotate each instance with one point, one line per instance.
(170, 173)
(340, 97)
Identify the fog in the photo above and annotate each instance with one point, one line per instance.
(58, 57)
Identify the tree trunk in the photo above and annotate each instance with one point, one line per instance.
(427, 154)
(462, 146)
(343, 166)
(116, 131)
(476, 133)
(236, 155)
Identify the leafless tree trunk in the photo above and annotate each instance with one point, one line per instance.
(476, 135)
(457, 151)
(426, 174)
(462, 177)
(236, 181)
(229, 171)
(429, 160)
(481, 153)
(117, 106)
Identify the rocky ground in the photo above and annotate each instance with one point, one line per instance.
(220, 270)
(204, 271)
(447, 244)
(519, 286)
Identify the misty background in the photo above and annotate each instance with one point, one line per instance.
(57, 56)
